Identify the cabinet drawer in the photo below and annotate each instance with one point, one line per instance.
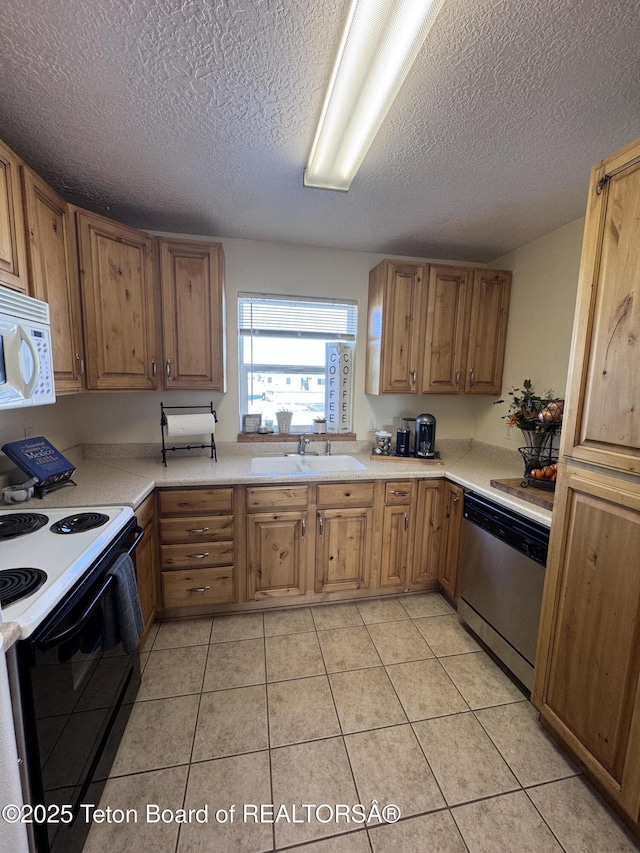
(398, 493)
(196, 554)
(345, 494)
(202, 586)
(201, 528)
(266, 497)
(176, 501)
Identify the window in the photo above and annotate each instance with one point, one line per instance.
(282, 353)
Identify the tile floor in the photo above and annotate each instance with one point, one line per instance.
(388, 700)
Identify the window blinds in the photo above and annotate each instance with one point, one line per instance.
(282, 316)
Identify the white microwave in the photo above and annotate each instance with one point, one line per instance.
(26, 358)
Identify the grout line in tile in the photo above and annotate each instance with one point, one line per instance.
(543, 818)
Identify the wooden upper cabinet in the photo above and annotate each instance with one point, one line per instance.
(13, 253)
(448, 293)
(120, 305)
(192, 282)
(444, 333)
(587, 680)
(602, 413)
(394, 328)
(488, 316)
(53, 269)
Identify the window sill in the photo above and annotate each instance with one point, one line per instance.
(276, 437)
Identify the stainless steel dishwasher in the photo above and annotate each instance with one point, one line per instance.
(502, 566)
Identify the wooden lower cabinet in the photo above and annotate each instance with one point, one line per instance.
(197, 547)
(427, 532)
(587, 680)
(397, 529)
(343, 549)
(452, 505)
(146, 562)
(277, 554)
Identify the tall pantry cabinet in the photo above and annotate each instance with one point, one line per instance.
(587, 681)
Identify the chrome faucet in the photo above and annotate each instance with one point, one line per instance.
(302, 445)
(327, 449)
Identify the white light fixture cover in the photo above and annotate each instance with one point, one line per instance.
(379, 44)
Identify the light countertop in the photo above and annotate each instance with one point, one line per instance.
(105, 478)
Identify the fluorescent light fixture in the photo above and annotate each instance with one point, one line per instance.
(379, 44)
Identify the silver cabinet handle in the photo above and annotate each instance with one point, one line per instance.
(399, 493)
(413, 377)
(80, 361)
(199, 589)
(304, 528)
(458, 376)
(472, 377)
(197, 529)
(406, 522)
(169, 369)
(153, 368)
(321, 524)
(456, 498)
(198, 556)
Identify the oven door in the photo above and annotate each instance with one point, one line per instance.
(78, 685)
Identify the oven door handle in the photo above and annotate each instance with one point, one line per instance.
(69, 632)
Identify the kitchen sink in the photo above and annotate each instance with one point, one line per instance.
(330, 464)
(274, 465)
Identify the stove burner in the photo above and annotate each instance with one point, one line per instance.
(18, 523)
(18, 583)
(79, 523)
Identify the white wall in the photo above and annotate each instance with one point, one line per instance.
(543, 296)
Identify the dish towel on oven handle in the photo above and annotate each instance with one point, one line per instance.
(128, 609)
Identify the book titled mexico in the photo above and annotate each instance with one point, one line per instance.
(40, 460)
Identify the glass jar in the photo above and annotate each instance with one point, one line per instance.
(383, 443)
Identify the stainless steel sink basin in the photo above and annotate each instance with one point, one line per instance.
(274, 465)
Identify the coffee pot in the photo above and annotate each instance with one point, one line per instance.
(425, 442)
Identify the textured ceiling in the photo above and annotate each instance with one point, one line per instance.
(197, 116)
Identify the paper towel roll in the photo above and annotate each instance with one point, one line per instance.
(182, 425)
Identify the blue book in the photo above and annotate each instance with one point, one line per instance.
(40, 460)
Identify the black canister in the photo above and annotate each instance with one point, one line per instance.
(403, 442)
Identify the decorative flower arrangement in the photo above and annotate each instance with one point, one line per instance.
(532, 413)
(540, 419)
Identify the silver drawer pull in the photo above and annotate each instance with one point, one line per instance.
(197, 529)
(198, 588)
(399, 493)
(198, 556)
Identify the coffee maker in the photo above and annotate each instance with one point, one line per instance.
(425, 445)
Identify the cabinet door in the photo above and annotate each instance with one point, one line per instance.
(277, 554)
(53, 267)
(428, 529)
(396, 545)
(119, 303)
(445, 333)
(343, 551)
(393, 328)
(602, 415)
(489, 313)
(146, 576)
(452, 526)
(13, 253)
(191, 277)
(587, 682)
